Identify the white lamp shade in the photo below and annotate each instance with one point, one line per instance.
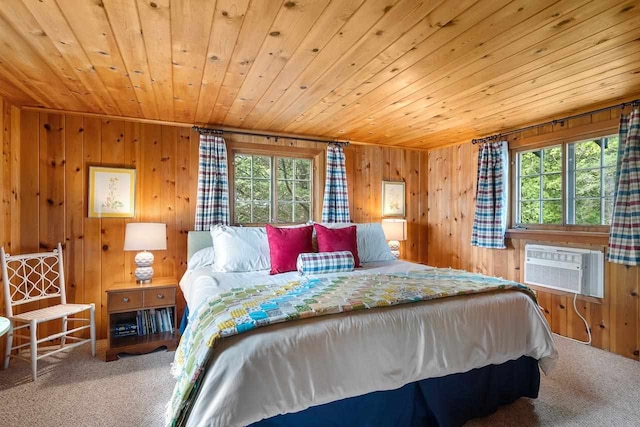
(395, 229)
(145, 236)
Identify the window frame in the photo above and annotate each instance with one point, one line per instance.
(274, 153)
(572, 172)
(270, 180)
(541, 199)
(541, 144)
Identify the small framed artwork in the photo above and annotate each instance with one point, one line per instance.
(393, 198)
(112, 192)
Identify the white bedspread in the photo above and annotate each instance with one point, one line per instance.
(290, 366)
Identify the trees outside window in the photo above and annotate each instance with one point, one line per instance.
(591, 180)
(272, 189)
(540, 186)
(575, 191)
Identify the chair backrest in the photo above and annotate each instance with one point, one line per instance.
(32, 277)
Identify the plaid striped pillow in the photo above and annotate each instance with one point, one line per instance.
(325, 262)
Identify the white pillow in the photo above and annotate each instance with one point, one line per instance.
(202, 258)
(240, 248)
(372, 244)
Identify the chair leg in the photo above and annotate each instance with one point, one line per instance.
(92, 318)
(64, 329)
(34, 349)
(7, 351)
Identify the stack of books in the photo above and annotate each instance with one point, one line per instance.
(155, 321)
(125, 329)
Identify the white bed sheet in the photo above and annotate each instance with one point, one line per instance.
(291, 366)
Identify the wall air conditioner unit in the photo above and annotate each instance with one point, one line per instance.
(579, 271)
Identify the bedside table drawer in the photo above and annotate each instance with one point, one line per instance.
(159, 297)
(119, 301)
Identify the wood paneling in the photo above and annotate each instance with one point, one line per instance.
(367, 166)
(9, 180)
(55, 153)
(45, 178)
(397, 72)
(5, 174)
(614, 321)
(44, 199)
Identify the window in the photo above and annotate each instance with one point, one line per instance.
(575, 191)
(540, 186)
(591, 180)
(271, 189)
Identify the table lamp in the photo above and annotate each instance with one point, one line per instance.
(145, 237)
(395, 230)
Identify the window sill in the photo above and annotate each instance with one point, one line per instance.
(595, 237)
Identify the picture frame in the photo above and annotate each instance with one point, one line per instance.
(112, 192)
(393, 198)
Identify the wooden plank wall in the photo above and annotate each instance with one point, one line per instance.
(452, 170)
(51, 169)
(8, 180)
(45, 159)
(367, 166)
(5, 178)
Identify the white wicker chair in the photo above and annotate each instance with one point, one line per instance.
(33, 277)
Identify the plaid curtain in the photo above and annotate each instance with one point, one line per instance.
(624, 237)
(335, 206)
(213, 183)
(490, 218)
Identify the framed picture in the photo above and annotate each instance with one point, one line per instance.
(393, 198)
(112, 192)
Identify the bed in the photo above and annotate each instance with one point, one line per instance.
(439, 362)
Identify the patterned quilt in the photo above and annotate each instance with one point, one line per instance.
(244, 309)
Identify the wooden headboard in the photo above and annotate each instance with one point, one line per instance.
(197, 240)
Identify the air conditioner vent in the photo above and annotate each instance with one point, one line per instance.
(575, 270)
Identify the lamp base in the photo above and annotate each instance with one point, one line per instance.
(144, 272)
(394, 245)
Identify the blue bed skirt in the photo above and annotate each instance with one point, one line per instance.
(435, 402)
(184, 321)
(443, 402)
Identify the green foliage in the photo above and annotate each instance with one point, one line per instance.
(587, 183)
(588, 211)
(592, 179)
(262, 167)
(530, 188)
(542, 188)
(530, 212)
(552, 211)
(242, 166)
(252, 185)
(552, 160)
(530, 163)
(552, 186)
(253, 181)
(294, 190)
(611, 152)
(587, 155)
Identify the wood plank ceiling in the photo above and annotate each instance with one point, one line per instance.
(398, 72)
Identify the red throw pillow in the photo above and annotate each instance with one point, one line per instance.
(285, 244)
(338, 239)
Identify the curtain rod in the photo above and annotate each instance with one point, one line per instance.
(497, 136)
(268, 136)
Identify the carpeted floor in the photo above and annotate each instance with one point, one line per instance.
(75, 389)
(589, 387)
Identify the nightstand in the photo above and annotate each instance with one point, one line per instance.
(142, 318)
